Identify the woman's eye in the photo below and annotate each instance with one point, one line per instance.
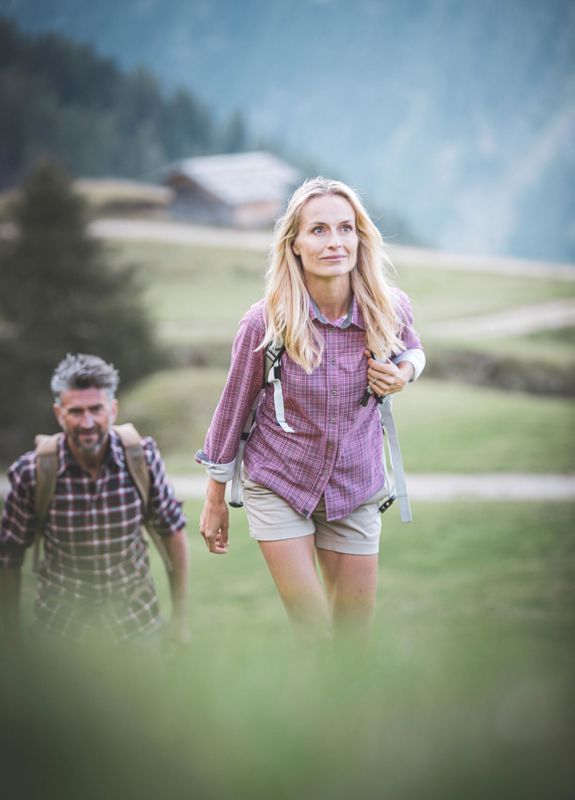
(347, 228)
(317, 229)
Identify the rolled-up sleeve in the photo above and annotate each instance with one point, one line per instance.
(413, 352)
(165, 515)
(18, 524)
(243, 384)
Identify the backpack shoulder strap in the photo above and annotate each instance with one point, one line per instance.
(392, 441)
(46, 473)
(272, 356)
(135, 459)
(273, 376)
(46, 476)
(138, 469)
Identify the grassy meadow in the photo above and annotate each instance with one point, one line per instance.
(196, 296)
(467, 690)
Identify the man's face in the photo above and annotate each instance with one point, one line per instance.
(85, 416)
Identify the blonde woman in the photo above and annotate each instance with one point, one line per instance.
(313, 477)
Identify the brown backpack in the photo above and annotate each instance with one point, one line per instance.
(47, 472)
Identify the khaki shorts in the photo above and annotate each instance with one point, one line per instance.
(271, 518)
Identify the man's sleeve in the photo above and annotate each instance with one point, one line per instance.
(18, 524)
(165, 512)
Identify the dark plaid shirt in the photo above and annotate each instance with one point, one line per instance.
(95, 570)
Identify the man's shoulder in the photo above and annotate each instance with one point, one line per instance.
(150, 446)
(148, 443)
(24, 463)
(22, 472)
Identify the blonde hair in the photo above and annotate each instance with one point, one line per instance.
(286, 300)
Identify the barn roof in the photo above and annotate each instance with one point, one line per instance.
(237, 178)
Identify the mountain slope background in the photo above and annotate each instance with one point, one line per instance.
(459, 115)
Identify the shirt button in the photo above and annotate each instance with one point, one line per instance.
(334, 392)
(332, 361)
(329, 445)
(332, 420)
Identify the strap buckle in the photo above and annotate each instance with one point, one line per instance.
(387, 503)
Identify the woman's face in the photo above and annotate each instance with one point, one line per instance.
(327, 239)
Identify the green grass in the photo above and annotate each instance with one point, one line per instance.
(197, 293)
(556, 346)
(467, 691)
(444, 427)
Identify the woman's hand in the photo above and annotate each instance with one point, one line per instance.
(214, 518)
(387, 378)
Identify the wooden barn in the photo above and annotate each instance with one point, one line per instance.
(237, 190)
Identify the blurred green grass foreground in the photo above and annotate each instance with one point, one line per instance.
(467, 690)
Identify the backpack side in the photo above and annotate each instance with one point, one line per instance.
(46, 476)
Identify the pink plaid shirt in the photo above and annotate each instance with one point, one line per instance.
(335, 450)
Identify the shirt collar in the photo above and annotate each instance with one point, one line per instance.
(353, 316)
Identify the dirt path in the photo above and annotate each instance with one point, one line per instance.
(526, 319)
(441, 487)
(438, 487)
(180, 233)
(511, 322)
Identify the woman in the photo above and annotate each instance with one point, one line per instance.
(313, 480)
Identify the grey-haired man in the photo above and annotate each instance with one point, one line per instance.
(95, 573)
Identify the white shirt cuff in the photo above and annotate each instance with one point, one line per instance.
(222, 473)
(416, 357)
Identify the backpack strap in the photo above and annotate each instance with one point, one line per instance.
(394, 477)
(271, 375)
(135, 460)
(397, 474)
(46, 476)
(140, 474)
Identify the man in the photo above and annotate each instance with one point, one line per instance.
(95, 573)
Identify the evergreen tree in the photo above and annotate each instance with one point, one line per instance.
(60, 294)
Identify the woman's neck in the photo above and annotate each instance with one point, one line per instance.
(332, 297)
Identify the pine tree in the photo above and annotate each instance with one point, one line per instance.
(59, 293)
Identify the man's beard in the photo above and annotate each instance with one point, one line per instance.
(93, 446)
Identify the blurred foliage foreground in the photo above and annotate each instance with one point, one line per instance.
(467, 691)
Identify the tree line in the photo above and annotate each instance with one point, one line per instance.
(60, 292)
(61, 99)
